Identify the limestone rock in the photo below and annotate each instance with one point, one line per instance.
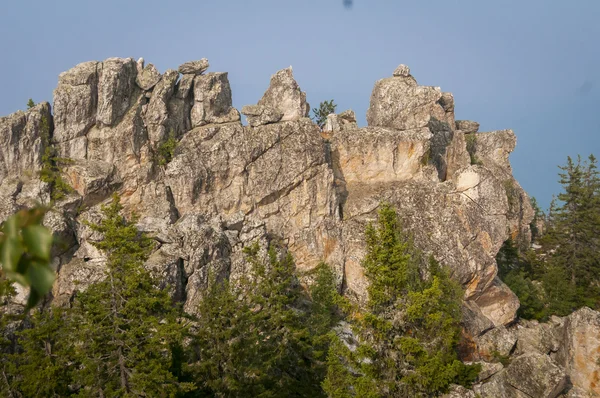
(343, 121)
(536, 375)
(76, 101)
(497, 342)
(116, 86)
(488, 369)
(497, 387)
(94, 180)
(212, 100)
(467, 126)
(259, 115)
(492, 150)
(499, 303)
(377, 155)
(157, 112)
(284, 95)
(75, 276)
(184, 86)
(194, 67)
(579, 350)
(21, 144)
(401, 104)
(147, 77)
(533, 336)
(402, 71)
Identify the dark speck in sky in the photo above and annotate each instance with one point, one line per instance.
(348, 3)
(585, 87)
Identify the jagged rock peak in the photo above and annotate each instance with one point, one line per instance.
(194, 67)
(284, 95)
(402, 71)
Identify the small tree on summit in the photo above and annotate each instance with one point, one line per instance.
(325, 109)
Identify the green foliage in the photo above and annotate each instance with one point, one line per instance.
(573, 237)
(30, 104)
(51, 171)
(25, 246)
(408, 338)
(503, 359)
(538, 215)
(126, 326)
(119, 337)
(42, 367)
(325, 109)
(471, 140)
(565, 274)
(254, 338)
(512, 194)
(166, 150)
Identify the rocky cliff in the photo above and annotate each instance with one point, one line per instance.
(227, 185)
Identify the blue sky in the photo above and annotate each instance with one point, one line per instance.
(527, 65)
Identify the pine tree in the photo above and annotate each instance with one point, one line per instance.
(256, 337)
(325, 109)
(42, 364)
(408, 335)
(124, 328)
(573, 238)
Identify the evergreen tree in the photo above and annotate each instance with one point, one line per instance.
(126, 327)
(41, 367)
(257, 338)
(408, 335)
(572, 242)
(325, 109)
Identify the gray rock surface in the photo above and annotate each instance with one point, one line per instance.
(579, 350)
(21, 143)
(116, 85)
(284, 95)
(402, 71)
(212, 100)
(147, 77)
(76, 101)
(342, 121)
(259, 115)
(467, 126)
(399, 103)
(194, 67)
(536, 375)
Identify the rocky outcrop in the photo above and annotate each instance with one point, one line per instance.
(399, 102)
(579, 351)
(21, 141)
(284, 95)
(281, 177)
(259, 115)
(343, 121)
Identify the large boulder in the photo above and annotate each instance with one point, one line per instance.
(212, 100)
(579, 350)
(398, 102)
(284, 95)
(147, 77)
(194, 67)
(259, 115)
(529, 375)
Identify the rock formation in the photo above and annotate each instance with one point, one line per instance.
(229, 185)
